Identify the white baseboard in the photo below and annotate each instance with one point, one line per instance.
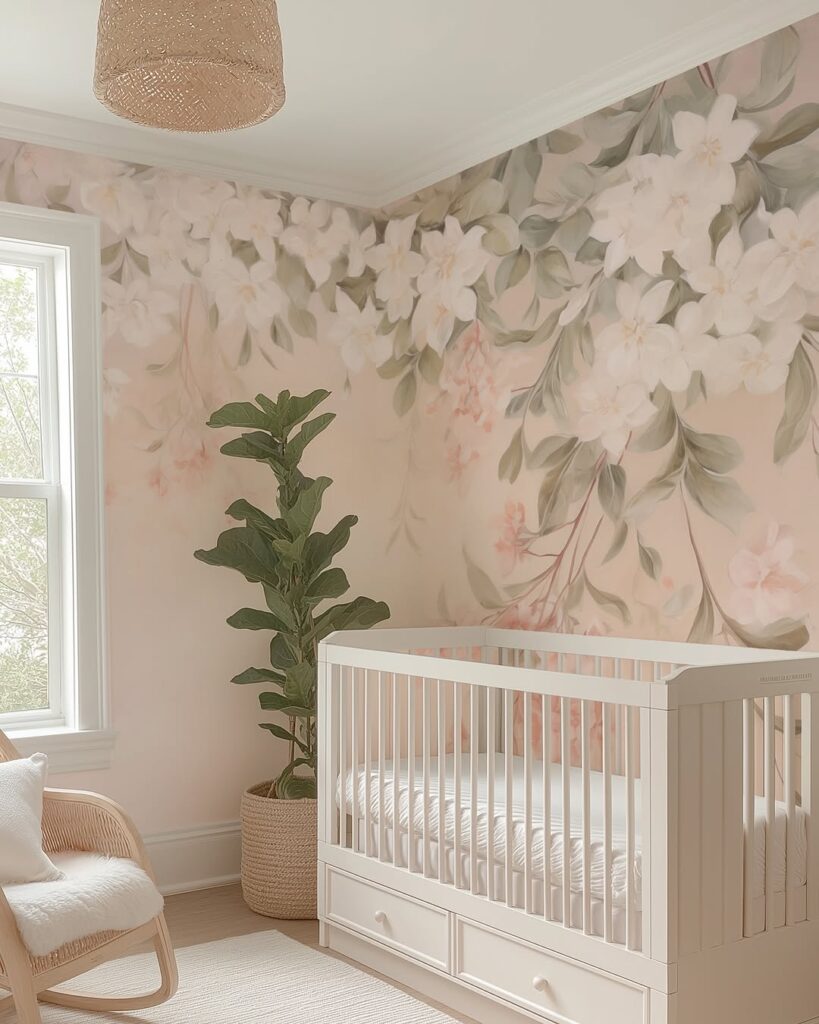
(196, 858)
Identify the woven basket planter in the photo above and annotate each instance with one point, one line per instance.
(279, 854)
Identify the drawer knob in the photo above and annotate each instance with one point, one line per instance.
(380, 917)
(539, 983)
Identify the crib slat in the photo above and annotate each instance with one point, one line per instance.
(396, 770)
(355, 755)
(609, 719)
(509, 782)
(769, 751)
(382, 765)
(473, 788)
(565, 772)
(748, 789)
(810, 796)
(585, 760)
(412, 683)
(343, 674)
(491, 744)
(442, 868)
(732, 844)
(458, 711)
(789, 783)
(528, 739)
(368, 764)
(426, 724)
(546, 798)
(629, 743)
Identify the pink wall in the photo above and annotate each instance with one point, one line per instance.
(426, 321)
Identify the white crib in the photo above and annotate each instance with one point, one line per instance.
(585, 830)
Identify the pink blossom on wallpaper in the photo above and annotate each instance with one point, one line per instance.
(469, 381)
(458, 458)
(511, 545)
(766, 579)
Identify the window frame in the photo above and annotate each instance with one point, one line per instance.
(65, 249)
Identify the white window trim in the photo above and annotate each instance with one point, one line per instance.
(80, 737)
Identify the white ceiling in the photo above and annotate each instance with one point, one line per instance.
(384, 96)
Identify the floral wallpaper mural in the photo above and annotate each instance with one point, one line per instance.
(586, 369)
(594, 300)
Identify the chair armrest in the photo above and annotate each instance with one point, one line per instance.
(75, 820)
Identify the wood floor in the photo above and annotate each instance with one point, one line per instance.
(197, 917)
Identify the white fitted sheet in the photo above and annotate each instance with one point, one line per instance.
(383, 800)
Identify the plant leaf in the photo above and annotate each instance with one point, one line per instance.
(512, 459)
(258, 675)
(609, 602)
(330, 584)
(702, 628)
(611, 490)
(650, 560)
(720, 497)
(251, 618)
(800, 397)
(482, 586)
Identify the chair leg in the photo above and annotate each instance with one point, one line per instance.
(168, 985)
(23, 995)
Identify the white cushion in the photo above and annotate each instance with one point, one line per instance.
(94, 894)
(21, 821)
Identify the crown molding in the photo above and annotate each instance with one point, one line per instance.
(732, 27)
(728, 30)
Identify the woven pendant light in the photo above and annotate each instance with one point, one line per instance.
(190, 65)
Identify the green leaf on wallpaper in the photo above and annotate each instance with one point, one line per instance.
(138, 259)
(777, 72)
(702, 628)
(110, 253)
(660, 487)
(512, 459)
(609, 602)
(748, 190)
(552, 274)
(485, 198)
(517, 404)
(784, 635)
(714, 452)
(294, 278)
(562, 141)
(483, 588)
(651, 561)
(404, 396)
(721, 225)
(281, 335)
(574, 592)
(800, 397)
(511, 270)
(502, 233)
(553, 451)
(574, 231)
(302, 321)
(720, 497)
(536, 231)
(430, 365)
(794, 167)
(611, 490)
(793, 127)
(618, 541)
(661, 428)
(394, 367)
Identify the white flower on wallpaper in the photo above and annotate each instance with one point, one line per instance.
(397, 267)
(637, 347)
(767, 581)
(138, 312)
(609, 412)
(758, 362)
(797, 262)
(118, 201)
(712, 144)
(254, 218)
(316, 234)
(241, 292)
(355, 331)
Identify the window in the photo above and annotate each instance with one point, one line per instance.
(51, 630)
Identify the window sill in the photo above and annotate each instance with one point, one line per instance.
(68, 750)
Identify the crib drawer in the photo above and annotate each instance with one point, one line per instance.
(405, 924)
(563, 990)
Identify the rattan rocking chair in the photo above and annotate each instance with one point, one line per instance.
(81, 822)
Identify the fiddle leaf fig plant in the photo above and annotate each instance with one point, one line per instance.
(292, 561)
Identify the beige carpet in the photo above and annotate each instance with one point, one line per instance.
(264, 977)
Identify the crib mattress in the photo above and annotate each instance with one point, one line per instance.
(395, 808)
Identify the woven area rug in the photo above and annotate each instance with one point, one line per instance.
(265, 977)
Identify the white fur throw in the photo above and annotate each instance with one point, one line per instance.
(94, 894)
(21, 821)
